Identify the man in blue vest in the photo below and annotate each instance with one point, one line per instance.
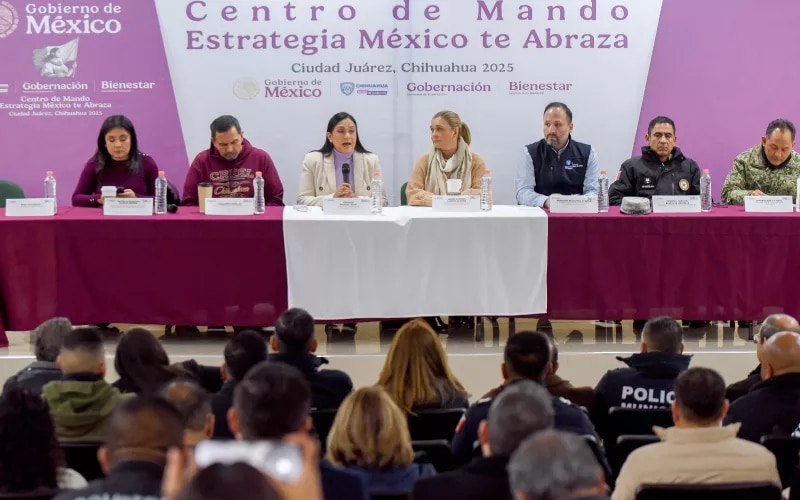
(556, 165)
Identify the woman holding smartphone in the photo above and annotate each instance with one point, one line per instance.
(117, 162)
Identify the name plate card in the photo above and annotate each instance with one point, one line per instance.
(456, 203)
(573, 204)
(347, 206)
(128, 206)
(676, 204)
(30, 207)
(230, 206)
(782, 204)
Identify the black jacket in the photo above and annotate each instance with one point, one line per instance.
(568, 417)
(221, 402)
(328, 387)
(646, 176)
(338, 484)
(742, 387)
(132, 479)
(34, 376)
(646, 383)
(771, 407)
(485, 478)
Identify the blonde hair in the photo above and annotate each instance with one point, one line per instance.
(416, 372)
(370, 431)
(452, 119)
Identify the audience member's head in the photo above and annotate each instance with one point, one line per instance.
(48, 338)
(520, 409)
(773, 324)
(82, 352)
(142, 363)
(245, 350)
(553, 352)
(194, 405)
(240, 481)
(527, 356)
(294, 333)
(371, 432)
(143, 428)
(272, 401)
(699, 399)
(416, 372)
(662, 334)
(554, 465)
(29, 451)
(780, 355)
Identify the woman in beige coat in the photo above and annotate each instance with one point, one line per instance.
(324, 169)
(450, 158)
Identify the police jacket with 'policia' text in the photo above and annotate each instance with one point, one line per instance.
(646, 176)
(646, 383)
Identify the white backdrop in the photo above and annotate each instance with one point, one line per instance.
(606, 85)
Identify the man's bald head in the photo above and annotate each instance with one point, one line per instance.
(143, 429)
(775, 323)
(780, 354)
(194, 405)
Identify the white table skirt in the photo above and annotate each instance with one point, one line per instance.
(410, 261)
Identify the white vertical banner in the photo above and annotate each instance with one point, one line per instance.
(285, 68)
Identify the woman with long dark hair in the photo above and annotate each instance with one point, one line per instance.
(30, 457)
(324, 170)
(117, 162)
(142, 363)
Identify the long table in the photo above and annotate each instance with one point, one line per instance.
(184, 268)
(187, 268)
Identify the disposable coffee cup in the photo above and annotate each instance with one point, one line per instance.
(453, 186)
(203, 192)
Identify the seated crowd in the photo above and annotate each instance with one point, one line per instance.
(413, 434)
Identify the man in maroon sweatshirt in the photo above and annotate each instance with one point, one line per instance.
(230, 165)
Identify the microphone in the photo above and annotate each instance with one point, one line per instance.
(346, 173)
(172, 208)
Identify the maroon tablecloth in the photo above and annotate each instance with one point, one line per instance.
(726, 264)
(183, 268)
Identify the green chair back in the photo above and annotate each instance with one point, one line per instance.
(403, 198)
(9, 191)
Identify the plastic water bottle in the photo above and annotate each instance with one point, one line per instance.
(258, 194)
(486, 190)
(797, 196)
(705, 191)
(50, 189)
(377, 193)
(602, 192)
(160, 202)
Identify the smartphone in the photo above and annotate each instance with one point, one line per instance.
(280, 461)
(120, 190)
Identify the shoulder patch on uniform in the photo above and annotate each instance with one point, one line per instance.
(683, 184)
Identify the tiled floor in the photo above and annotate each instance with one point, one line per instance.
(586, 351)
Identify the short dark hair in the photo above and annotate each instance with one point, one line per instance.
(294, 331)
(663, 334)
(660, 119)
(700, 394)
(48, 338)
(239, 480)
(224, 123)
(527, 355)
(83, 339)
(273, 400)
(144, 426)
(520, 409)
(245, 350)
(191, 401)
(782, 125)
(561, 105)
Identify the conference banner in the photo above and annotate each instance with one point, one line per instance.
(284, 68)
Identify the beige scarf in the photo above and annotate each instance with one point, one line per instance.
(459, 166)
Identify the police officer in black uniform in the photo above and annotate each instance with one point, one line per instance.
(526, 357)
(648, 379)
(661, 170)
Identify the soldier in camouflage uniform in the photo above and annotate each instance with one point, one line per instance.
(771, 168)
